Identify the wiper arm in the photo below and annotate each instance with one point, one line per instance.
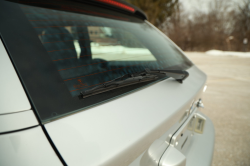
(179, 75)
(126, 80)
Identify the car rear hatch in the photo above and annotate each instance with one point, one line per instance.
(113, 128)
(115, 133)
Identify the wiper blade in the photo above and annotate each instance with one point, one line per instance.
(178, 75)
(126, 80)
(130, 79)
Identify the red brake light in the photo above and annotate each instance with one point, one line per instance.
(118, 4)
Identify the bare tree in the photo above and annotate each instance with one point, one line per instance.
(222, 27)
(242, 26)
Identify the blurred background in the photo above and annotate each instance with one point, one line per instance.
(201, 25)
(215, 35)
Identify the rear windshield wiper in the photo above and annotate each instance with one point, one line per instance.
(130, 79)
(125, 80)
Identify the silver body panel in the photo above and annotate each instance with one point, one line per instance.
(201, 148)
(17, 121)
(117, 132)
(190, 150)
(12, 94)
(199, 152)
(27, 148)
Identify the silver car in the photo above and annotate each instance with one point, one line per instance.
(93, 83)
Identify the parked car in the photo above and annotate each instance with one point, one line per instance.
(94, 83)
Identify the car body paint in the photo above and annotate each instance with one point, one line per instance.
(116, 132)
(27, 148)
(11, 88)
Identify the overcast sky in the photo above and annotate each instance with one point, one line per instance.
(203, 5)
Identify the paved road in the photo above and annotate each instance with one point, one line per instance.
(227, 103)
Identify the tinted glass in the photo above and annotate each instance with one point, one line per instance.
(82, 50)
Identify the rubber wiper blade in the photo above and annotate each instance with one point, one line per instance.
(130, 79)
(126, 80)
(178, 75)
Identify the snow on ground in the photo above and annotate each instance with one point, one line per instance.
(228, 53)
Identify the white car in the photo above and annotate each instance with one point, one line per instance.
(93, 83)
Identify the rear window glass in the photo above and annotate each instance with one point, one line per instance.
(75, 51)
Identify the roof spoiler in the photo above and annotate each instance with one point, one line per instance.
(138, 11)
(120, 5)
